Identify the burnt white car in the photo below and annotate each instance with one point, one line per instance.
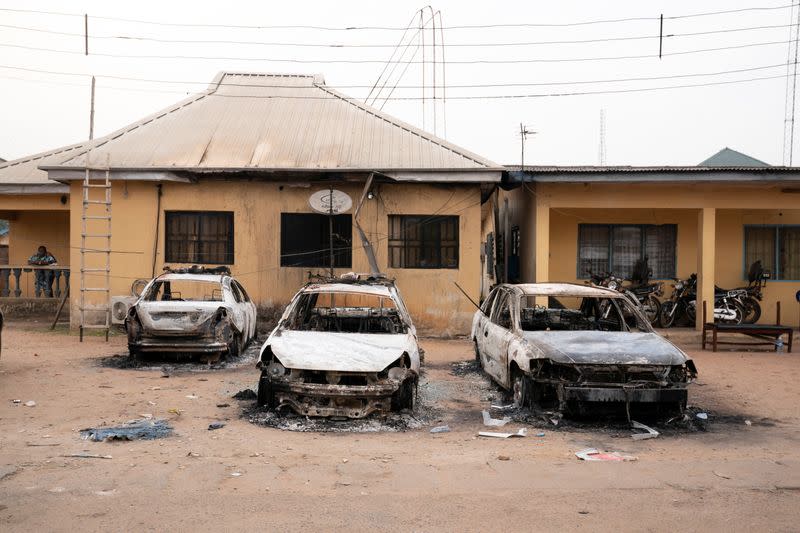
(194, 310)
(343, 348)
(575, 346)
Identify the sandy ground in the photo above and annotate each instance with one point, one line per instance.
(733, 476)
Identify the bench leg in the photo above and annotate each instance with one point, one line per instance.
(704, 338)
(789, 344)
(714, 340)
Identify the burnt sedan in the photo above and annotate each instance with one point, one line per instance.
(576, 346)
(344, 348)
(194, 310)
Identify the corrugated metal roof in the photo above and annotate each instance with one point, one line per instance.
(731, 158)
(25, 170)
(583, 169)
(274, 122)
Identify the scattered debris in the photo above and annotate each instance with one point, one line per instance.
(245, 394)
(216, 425)
(554, 421)
(221, 405)
(540, 434)
(84, 455)
(7, 470)
(16, 401)
(723, 476)
(192, 454)
(503, 458)
(175, 411)
(441, 429)
(135, 429)
(236, 474)
(748, 423)
(43, 444)
(494, 422)
(702, 416)
(651, 433)
(30, 403)
(503, 407)
(191, 396)
(148, 416)
(592, 454)
(523, 432)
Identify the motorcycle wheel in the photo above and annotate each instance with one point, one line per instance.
(652, 309)
(752, 310)
(691, 314)
(667, 318)
(738, 310)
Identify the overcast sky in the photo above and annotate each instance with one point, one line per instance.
(683, 126)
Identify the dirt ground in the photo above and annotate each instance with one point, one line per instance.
(733, 476)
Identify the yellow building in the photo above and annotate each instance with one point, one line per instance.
(37, 210)
(715, 220)
(225, 177)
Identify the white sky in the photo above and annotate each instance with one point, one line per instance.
(682, 126)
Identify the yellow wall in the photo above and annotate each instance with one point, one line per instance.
(435, 303)
(30, 229)
(645, 203)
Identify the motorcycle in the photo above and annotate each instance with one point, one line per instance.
(683, 305)
(643, 296)
(751, 295)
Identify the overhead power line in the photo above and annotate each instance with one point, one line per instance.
(457, 86)
(399, 28)
(380, 61)
(388, 45)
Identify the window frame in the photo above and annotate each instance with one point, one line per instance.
(231, 241)
(456, 219)
(643, 243)
(325, 246)
(776, 236)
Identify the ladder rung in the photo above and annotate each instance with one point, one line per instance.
(96, 217)
(94, 289)
(92, 186)
(95, 235)
(95, 326)
(95, 251)
(96, 202)
(95, 270)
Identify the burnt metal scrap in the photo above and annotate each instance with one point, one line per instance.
(144, 429)
(573, 347)
(343, 348)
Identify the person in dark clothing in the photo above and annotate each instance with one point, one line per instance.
(44, 278)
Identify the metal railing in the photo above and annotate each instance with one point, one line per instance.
(33, 281)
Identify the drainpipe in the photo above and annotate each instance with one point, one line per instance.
(158, 219)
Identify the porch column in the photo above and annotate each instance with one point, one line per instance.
(706, 246)
(542, 240)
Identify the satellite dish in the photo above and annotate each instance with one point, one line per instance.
(329, 201)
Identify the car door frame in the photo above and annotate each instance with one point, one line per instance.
(249, 309)
(483, 318)
(497, 337)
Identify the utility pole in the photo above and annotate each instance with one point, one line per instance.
(602, 151)
(523, 136)
(791, 89)
(330, 226)
(91, 113)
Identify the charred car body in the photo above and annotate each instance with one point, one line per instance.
(193, 310)
(344, 348)
(575, 347)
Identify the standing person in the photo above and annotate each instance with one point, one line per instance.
(44, 278)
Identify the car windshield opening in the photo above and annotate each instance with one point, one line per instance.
(572, 313)
(344, 312)
(184, 290)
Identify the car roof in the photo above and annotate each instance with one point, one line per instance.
(193, 277)
(563, 289)
(358, 288)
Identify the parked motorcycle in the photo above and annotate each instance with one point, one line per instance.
(644, 296)
(682, 306)
(751, 295)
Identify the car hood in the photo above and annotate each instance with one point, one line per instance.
(175, 316)
(342, 352)
(606, 347)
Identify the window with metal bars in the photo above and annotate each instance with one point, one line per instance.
(777, 247)
(617, 247)
(306, 240)
(199, 237)
(423, 241)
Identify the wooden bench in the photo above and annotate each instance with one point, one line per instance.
(765, 334)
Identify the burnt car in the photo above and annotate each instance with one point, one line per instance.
(192, 310)
(343, 348)
(575, 347)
